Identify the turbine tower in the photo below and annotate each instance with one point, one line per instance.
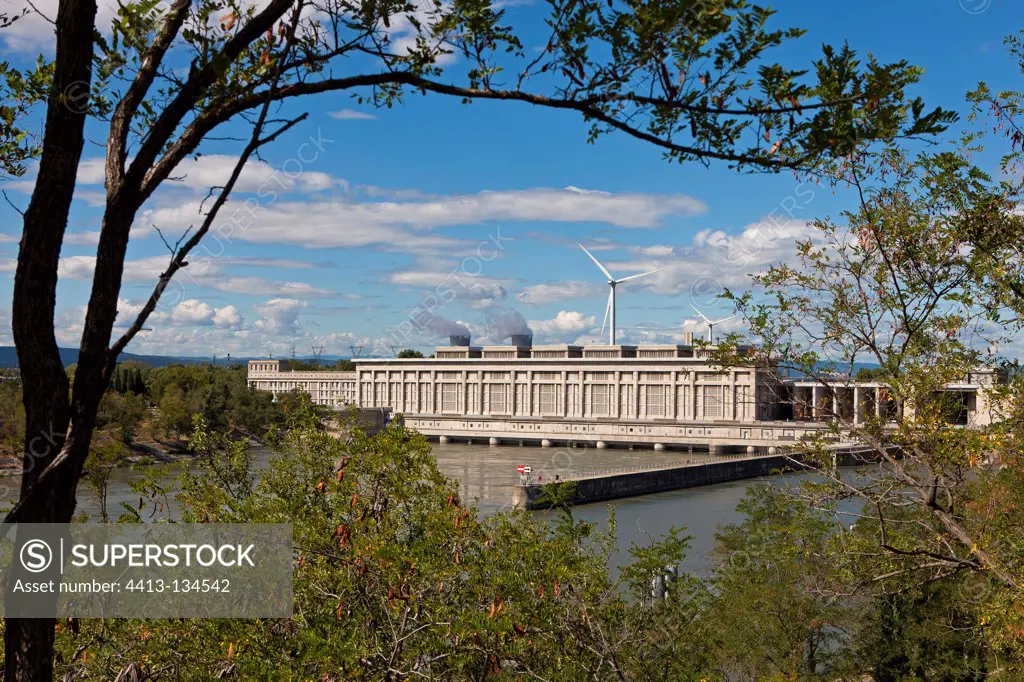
(711, 324)
(612, 283)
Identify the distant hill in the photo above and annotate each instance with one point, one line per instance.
(9, 358)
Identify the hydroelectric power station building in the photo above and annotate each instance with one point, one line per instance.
(660, 396)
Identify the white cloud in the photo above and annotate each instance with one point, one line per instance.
(214, 169)
(256, 286)
(203, 272)
(715, 260)
(399, 225)
(351, 115)
(227, 317)
(656, 250)
(192, 311)
(565, 326)
(127, 310)
(6, 338)
(88, 238)
(280, 315)
(33, 33)
(551, 292)
(403, 28)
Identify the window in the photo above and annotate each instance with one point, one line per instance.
(714, 402)
(626, 402)
(573, 401)
(547, 398)
(746, 403)
(450, 398)
(496, 399)
(684, 409)
(656, 403)
(600, 400)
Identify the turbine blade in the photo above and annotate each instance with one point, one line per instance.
(596, 262)
(607, 309)
(724, 319)
(642, 274)
(703, 316)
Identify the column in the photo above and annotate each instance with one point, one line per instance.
(856, 404)
(614, 399)
(732, 391)
(672, 398)
(636, 395)
(693, 394)
(814, 403)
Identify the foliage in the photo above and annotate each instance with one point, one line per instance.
(12, 417)
(696, 80)
(925, 278)
(409, 353)
(129, 378)
(106, 455)
(296, 365)
(220, 394)
(123, 412)
(776, 591)
(382, 538)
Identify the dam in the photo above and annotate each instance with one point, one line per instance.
(658, 397)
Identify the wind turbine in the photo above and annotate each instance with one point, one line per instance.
(612, 283)
(711, 324)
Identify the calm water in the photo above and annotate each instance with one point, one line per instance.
(486, 474)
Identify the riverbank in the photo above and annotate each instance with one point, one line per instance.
(146, 451)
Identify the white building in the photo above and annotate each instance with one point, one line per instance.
(658, 395)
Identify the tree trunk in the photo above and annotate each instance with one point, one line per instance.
(28, 644)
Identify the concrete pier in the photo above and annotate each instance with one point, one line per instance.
(613, 486)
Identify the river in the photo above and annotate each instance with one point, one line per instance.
(486, 474)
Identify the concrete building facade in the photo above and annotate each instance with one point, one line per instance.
(654, 395)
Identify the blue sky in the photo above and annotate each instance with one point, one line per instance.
(378, 214)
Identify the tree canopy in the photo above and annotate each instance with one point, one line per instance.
(696, 80)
